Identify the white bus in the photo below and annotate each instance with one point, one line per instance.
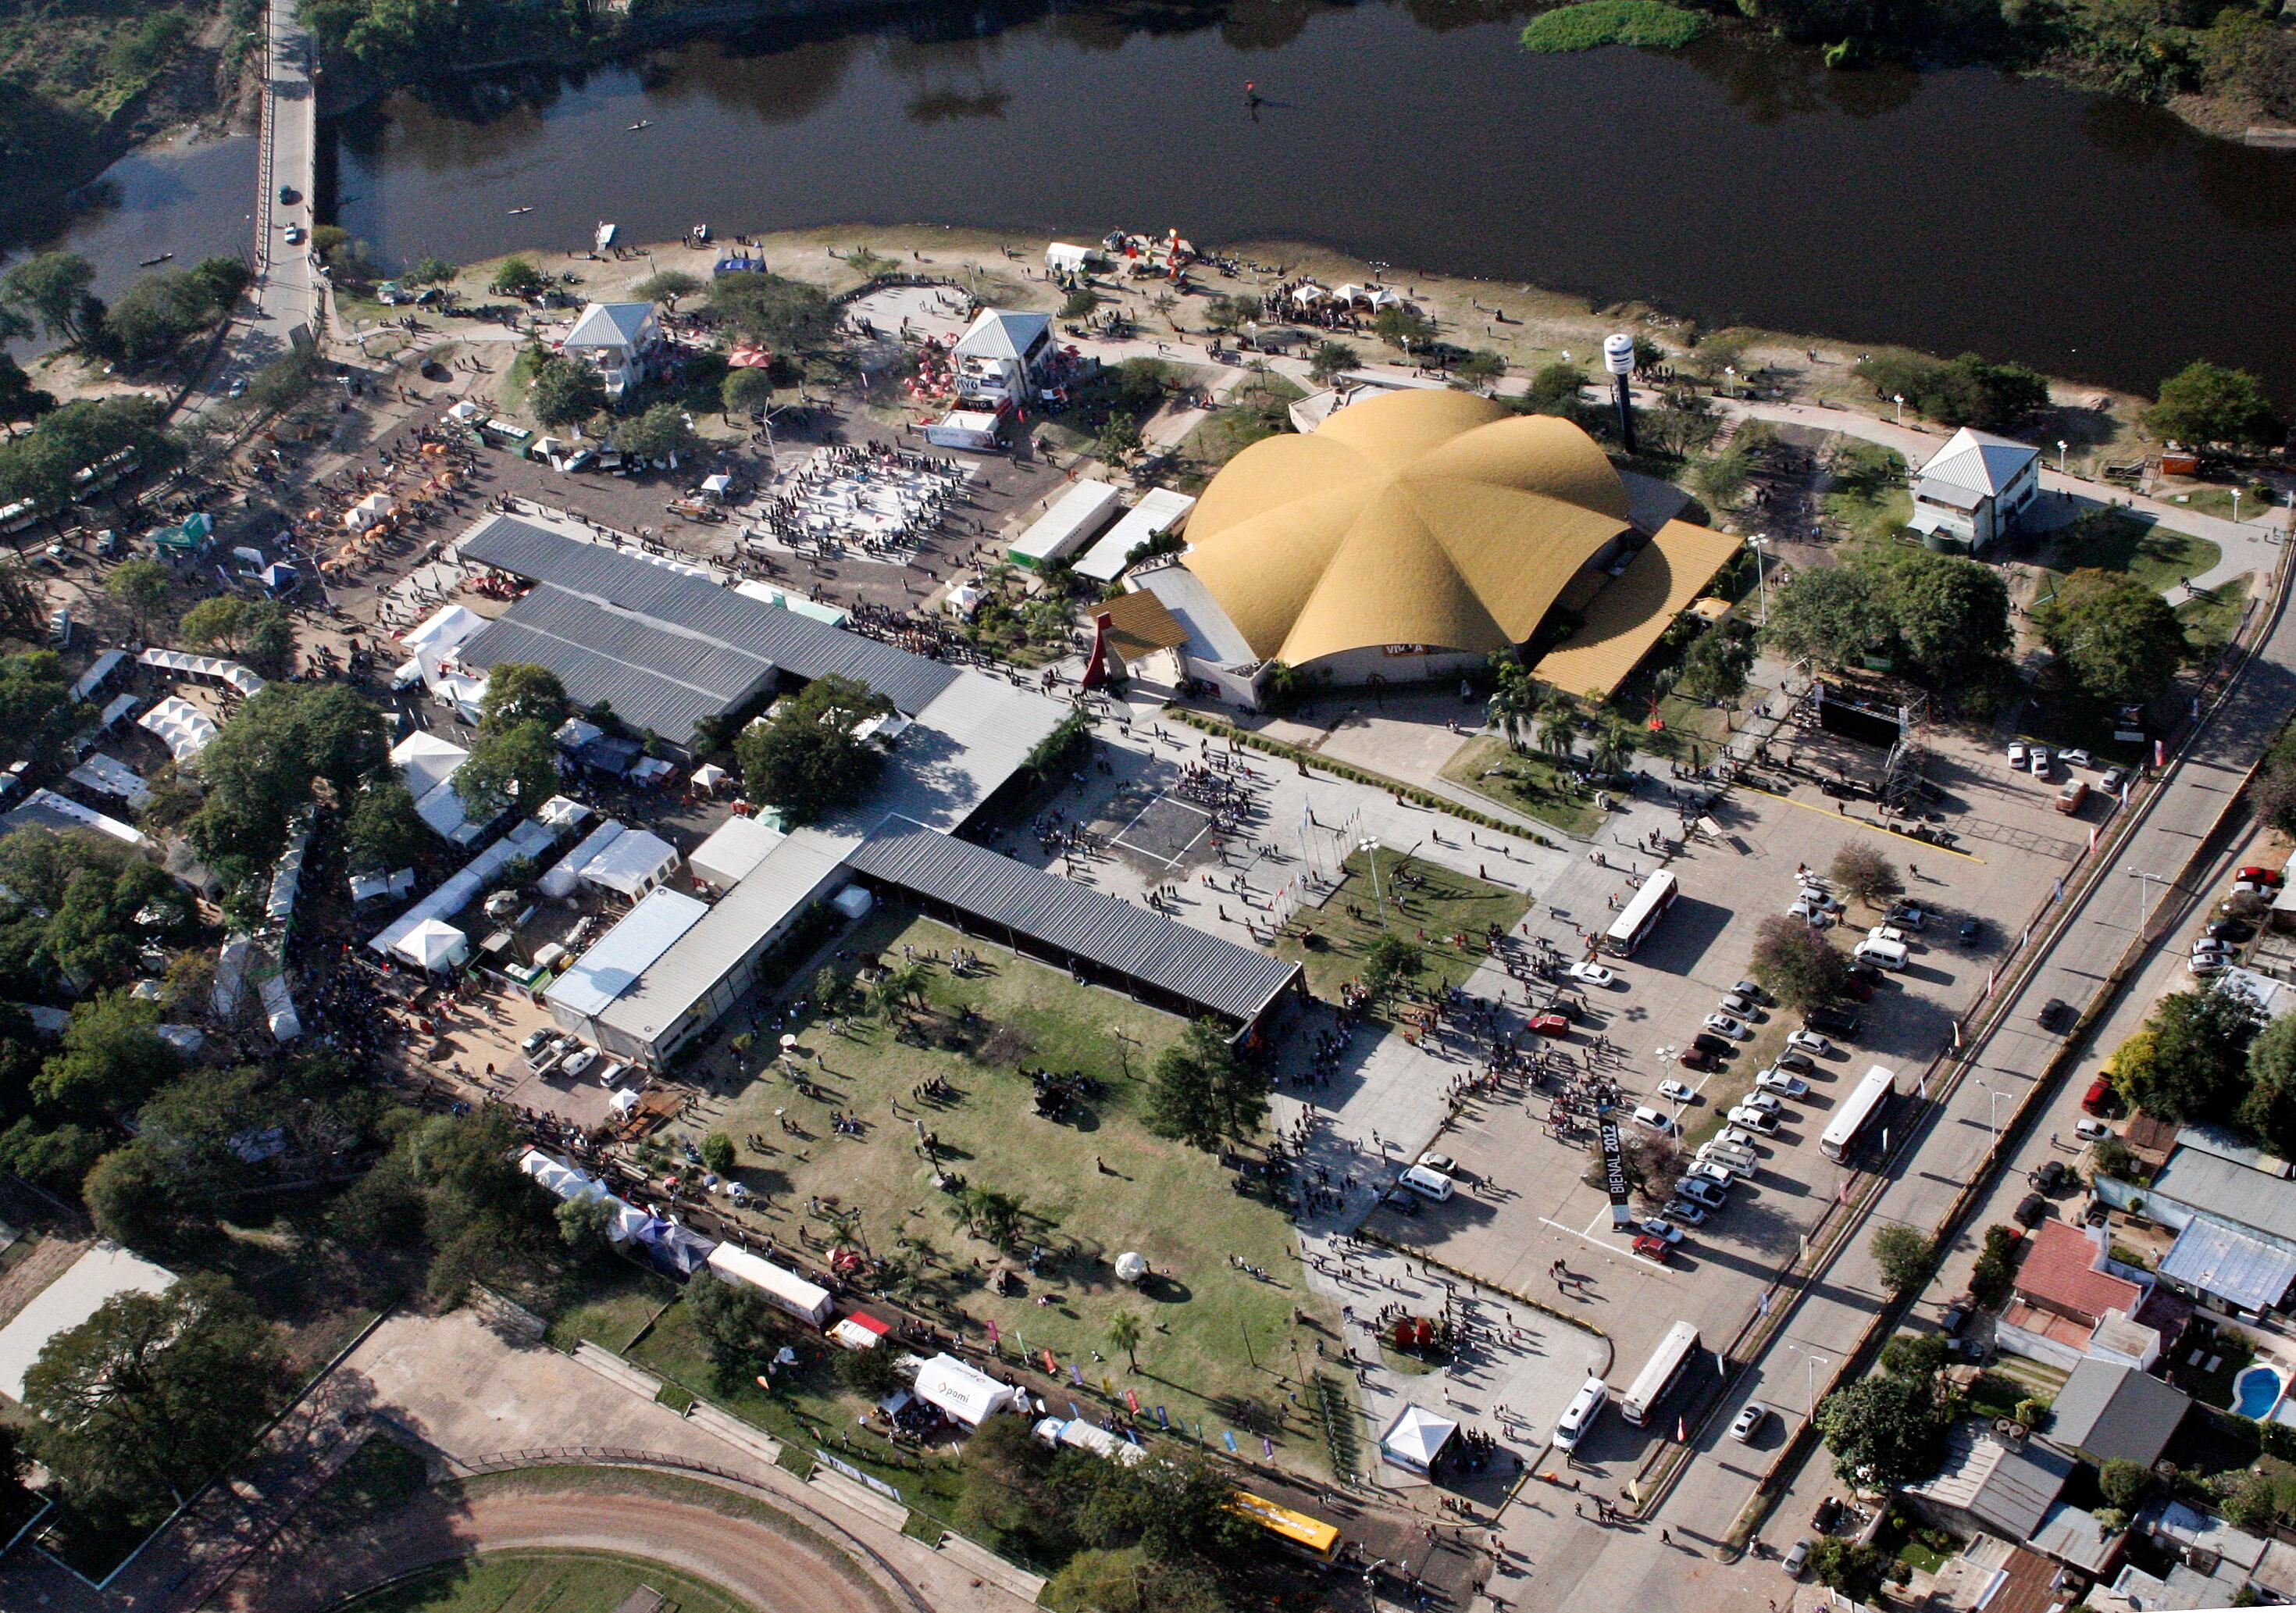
(1858, 1113)
(1660, 1373)
(1639, 917)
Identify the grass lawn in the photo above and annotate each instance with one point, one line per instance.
(1256, 409)
(1094, 1184)
(2209, 617)
(608, 1302)
(530, 1582)
(2217, 501)
(1423, 903)
(2150, 555)
(1526, 782)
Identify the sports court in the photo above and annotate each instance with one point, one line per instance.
(1164, 830)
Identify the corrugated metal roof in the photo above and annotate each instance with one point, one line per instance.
(653, 678)
(680, 601)
(1980, 462)
(2219, 1260)
(1213, 974)
(2232, 1192)
(625, 952)
(960, 750)
(2106, 1410)
(2009, 1488)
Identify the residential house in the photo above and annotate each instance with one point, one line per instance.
(2064, 1291)
(1004, 356)
(2076, 1539)
(1990, 1483)
(2108, 1412)
(2001, 1576)
(622, 340)
(1977, 487)
(2234, 1209)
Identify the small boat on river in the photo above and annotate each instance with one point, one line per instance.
(155, 263)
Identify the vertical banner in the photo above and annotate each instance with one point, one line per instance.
(1132, 1402)
(1052, 1366)
(992, 1335)
(1614, 1173)
(1229, 1436)
(1162, 1421)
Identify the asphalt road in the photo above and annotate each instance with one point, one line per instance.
(1628, 1568)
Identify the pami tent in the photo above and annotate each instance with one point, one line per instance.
(964, 1393)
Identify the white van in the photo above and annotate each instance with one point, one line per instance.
(1889, 954)
(1741, 1160)
(1426, 1182)
(1579, 1415)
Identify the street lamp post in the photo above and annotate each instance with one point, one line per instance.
(1899, 399)
(1810, 1358)
(2062, 448)
(1370, 849)
(2144, 909)
(1760, 544)
(1994, 1111)
(2236, 504)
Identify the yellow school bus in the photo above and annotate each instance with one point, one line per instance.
(1311, 1535)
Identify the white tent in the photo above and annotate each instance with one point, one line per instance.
(370, 510)
(1130, 1267)
(784, 1287)
(559, 878)
(445, 629)
(185, 729)
(1076, 1432)
(631, 864)
(708, 776)
(736, 848)
(109, 775)
(1416, 1438)
(433, 944)
(1069, 259)
(963, 1392)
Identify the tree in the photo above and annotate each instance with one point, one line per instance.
(989, 1212)
(1885, 1431)
(262, 630)
(20, 400)
(1716, 668)
(666, 286)
(1718, 351)
(38, 465)
(36, 706)
(1722, 479)
(266, 763)
(518, 277)
(1119, 439)
(564, 392)
(1558, 723)
(872, 1373)
(2190, 1062)
(2126, 1483)
(660, 433)
(789, 316)
(1330, 361)
(741, 1328)
(1388, 962)
(2205, 403)
(1403, 327)
(2116, 640)
(1967, 390)
(1858, 1572)
(384, 831)
(1920, 1356)
(53, 289)
(1124, 1332)
(1834, 615)
(512, 767)
(519, 692)
(1481, 368)
(2269, 1107)
(450, 1189)
(1865, 875)
(156, 315)
(747, 390)
(1202, 1092)
(718, 1153)
(586, 1224)
(1224, 313)
(1514, 702)
(143, 586)
(108, 1059)
(807, 761)
(154, 1394)
(1905, 1257)
(1555, 388)
(1952, 615)
(1796, 965)
(428, 271)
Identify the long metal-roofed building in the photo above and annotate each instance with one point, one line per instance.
(669, 970)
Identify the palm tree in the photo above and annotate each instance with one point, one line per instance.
(1124, 1333)
(1513, 701)
(908, 982)
(1558, 721)
(1615, 740)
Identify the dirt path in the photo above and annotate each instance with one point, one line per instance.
(765, 1568)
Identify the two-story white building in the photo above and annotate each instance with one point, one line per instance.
(1977, 487)
(1002, 356)
(620, 339)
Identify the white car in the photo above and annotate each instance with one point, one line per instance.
(1781, 1084)
(1591, 974)
(578, 1061)
(1714, 1171)
(1664, 1231)
(2091, 1130)
(1748, 1422)
(1887, 932)
(2209, 963)
(2016, 755)
(1675, 1091)
(1440, 1162)
(1683, 1211)
(1739, 1004)
(1760, 1120)
(1722, 1025)
(2075, 759)
(1652, 1120)
(1811, 913)
(1908, 915)
(1750, 989)
(1809, 1042)
(1703, 1191)
(1731, 1137)
(2039, 761)
(1764, 1101)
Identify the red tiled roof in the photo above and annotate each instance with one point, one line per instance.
(2031, 1587)
(2060, 1272)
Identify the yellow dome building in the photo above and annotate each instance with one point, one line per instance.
(1413, 534)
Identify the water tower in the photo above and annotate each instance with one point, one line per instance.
(1619, 358)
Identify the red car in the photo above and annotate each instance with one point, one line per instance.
(1861, 990)
(1652, 1250)
(1693, 1059)
(1551, 1024)
(2261, 875)
(2098, 1099)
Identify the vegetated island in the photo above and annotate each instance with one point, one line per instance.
(1590, 24)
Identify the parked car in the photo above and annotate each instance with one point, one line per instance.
(1698, 1058)
(2099, 1097)
(1767, 1102)
(1707, 1041)
(1760, 1120)
(2031, 1211)
(2209, 963)
(1800, 1064)
(1796, 1559)
(1666, 1231)
(1439, 1162)
(1857, 990)
(2075, 758)
(1653, 1120)
(1810, 1042)
(1750, 989)
(1702, 1190)
(1781, 1084)
(1908, 916)
(1887, 932)
(1968, 932)
(1688, 1213)
(580, 1060)
(1810, 913)
(294, 234)
(1748, 1422)
(1551, 1024)
(2038, 760)
(2229, 929)
(1722, 1025)
(2048, 1176)
(2091, 1130)
(2111, 780)
(1743, 1007)
(1954, 1318)
(1718, 1172)
(1652, 1250)
(1731, 1136)
(1591, 974)
(2258, 875)
(2016, 755)
(536, 1039)
(2073, 797)
(1675, 1091)
(1835, 1018)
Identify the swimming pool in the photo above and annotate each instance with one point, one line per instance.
(2256, 1391)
